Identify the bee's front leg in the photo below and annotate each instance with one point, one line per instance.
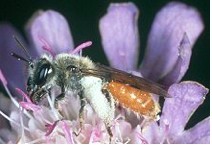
(38, 95)
(60, 96)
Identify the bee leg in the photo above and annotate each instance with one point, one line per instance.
(81, 116)
(81, 111)
(60, 96)
(108, 127)
(106, 93)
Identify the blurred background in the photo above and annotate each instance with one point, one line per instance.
(83, 18)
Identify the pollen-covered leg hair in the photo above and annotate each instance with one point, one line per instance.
(108, 97)
(103, 107)
(107, 94)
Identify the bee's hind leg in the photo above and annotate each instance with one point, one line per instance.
(108, 126)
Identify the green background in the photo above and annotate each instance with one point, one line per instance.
(83, 18)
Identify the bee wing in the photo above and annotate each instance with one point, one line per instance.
(112, 74)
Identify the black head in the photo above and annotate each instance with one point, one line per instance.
(41, 72)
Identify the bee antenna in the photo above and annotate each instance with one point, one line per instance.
(20, 57)
(24, 48)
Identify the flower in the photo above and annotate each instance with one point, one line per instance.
(162, 54)
(174, 31)
(42, 124)
(49, 30)
(187, 97)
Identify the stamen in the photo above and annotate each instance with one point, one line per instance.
(143, 140)
(46, 46)
(50, 128)
(22, 125)
(4, 82)
(2, 78)
(54, 110)
(12, 121)
(95, 134)
(27, 105)
(117, 128)
(47, 140)
(81, 46)
(38, 140)
(30, 106)
(127, 141)
(24, 95)
(68, 134)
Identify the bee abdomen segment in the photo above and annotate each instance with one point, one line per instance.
(136, 100)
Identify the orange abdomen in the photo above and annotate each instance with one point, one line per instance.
(134, 99)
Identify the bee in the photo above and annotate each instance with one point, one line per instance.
(101, 86)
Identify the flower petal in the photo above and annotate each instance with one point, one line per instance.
(167, 31)
(182, 63)
(152, 133)
(10, 65)
(199, 134)
(50, 28)
(186, 98)
(121, 130)
(119, 34)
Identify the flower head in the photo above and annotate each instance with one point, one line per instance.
(174, 31)
(48, 32)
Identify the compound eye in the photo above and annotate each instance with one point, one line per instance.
(42, 74)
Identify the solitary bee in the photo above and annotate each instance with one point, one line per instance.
(101, 86)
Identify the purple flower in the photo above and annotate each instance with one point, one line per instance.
(163, 60)
(174, 31)
(167, 58)
(48, 33)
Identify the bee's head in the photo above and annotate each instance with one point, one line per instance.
(41, 73)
